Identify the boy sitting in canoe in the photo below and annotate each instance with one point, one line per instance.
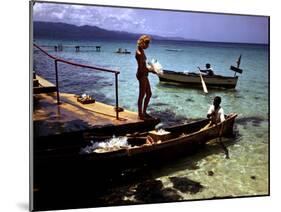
(215, 112)
(209, 71)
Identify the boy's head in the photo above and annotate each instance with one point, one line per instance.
(217, 101)
(208, 65)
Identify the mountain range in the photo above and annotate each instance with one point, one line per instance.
(52, 30)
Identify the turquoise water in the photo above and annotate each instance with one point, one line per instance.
(246, 172)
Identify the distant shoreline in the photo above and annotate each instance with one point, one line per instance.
(63, 31)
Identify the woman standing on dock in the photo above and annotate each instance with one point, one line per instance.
(142, 76)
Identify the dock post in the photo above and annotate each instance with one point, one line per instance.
(60, 48)
(77, 48)
(116, 95)
(57, 82)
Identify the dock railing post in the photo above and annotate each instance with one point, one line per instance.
(57, 82)
(116, 95)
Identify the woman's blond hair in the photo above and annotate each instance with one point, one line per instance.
(142, 40)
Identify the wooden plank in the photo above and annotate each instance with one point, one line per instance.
(43, 86)
(35, 82)
(73, 117)
(101, 108)
(43, 82)
(38, 90)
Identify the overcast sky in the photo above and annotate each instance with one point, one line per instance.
(200, 26)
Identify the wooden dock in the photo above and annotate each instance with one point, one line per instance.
(40, 85)
(69, 119)
(60, 47)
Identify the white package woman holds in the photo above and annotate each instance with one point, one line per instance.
(156, 66)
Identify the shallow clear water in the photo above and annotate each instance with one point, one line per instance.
(246, 172)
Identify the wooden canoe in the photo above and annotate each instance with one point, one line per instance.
(193, 79)
(183, 140)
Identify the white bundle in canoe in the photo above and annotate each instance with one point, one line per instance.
(112, 144)
(162, 132)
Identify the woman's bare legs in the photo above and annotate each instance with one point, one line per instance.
(147, 97)
(144, 91)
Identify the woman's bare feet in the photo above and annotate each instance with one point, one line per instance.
(141, 117)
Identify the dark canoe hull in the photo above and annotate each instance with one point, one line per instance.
(193, 79)
(176, 146)
(123, 52)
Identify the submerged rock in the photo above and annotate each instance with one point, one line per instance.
(116, 196)
(149, 191)
(210, 173)
(189, 100)
(186, 185)
(152, 191)
(254, 120)
(170, 194)
(168, 117)
(159, 104)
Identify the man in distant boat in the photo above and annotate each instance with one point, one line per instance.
(119, 50)
(209, 71)
(142, 76)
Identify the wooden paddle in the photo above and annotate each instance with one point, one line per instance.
(203, 82)
(221, 143)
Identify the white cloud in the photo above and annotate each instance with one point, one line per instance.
(123, 19)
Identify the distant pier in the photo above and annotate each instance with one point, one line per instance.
(77, 48)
